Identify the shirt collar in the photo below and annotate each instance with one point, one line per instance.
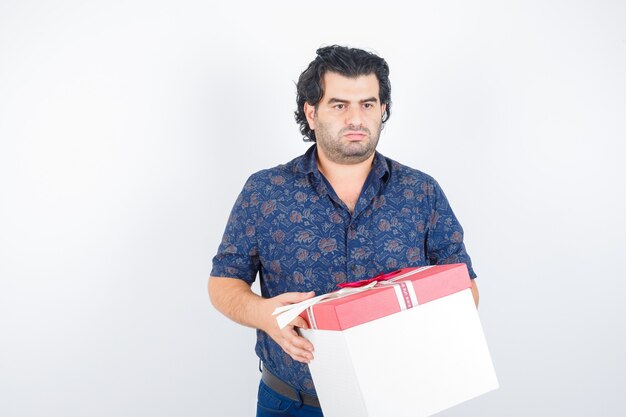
(308, 164)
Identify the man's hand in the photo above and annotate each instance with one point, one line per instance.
(234, 298)
(288, 339)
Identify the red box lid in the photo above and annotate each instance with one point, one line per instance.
(428, 283)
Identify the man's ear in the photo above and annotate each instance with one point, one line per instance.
(383, 107)
(309, 112)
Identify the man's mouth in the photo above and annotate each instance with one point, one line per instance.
(354, 136)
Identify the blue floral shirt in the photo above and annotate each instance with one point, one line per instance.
(289, 227)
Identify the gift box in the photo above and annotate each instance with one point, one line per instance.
(406, 344)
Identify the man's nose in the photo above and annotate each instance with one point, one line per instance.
(354, 116)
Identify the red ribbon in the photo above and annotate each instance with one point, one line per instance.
(363, 283)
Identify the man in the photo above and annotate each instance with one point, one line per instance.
(340, 212)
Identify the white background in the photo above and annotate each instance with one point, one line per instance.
(127, 129)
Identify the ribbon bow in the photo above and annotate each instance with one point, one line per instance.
(377, 278)
(289, 312)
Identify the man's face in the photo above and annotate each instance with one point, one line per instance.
(347, 120)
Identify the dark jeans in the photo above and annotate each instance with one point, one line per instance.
(271, 404)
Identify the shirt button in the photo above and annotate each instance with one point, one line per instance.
(353, 268)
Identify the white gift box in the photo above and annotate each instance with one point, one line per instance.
(412, 363)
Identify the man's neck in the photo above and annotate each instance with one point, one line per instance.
(344, 174)
(347, 180)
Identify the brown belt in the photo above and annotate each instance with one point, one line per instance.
(286, 390)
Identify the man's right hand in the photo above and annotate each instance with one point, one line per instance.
(288, 339)
(234, 298)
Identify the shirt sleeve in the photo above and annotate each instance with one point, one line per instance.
(445, 234)
(238, 253)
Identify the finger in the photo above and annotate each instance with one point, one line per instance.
(298, 344)
(300, 359)
(296, 353)
(299, 354)
(295, 297)
(299, 322)
(301, 342)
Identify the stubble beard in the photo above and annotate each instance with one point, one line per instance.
(344, 152)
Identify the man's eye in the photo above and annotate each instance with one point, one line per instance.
(340, 106)
(368, 105)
